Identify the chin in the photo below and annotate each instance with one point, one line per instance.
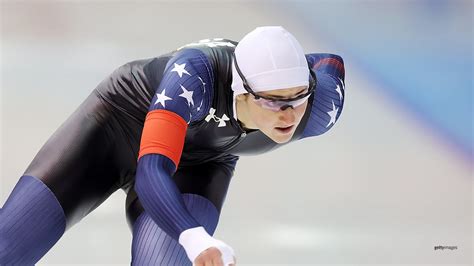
(282, 139)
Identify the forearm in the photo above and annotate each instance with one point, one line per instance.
(160, 196)
(162, 200)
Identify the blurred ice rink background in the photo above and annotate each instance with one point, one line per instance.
(391, 180)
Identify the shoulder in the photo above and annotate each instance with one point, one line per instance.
(194, 59)
(329, 94)
(327, 63)
(321, 58)
(186, 85)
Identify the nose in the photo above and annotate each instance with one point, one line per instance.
(287, 114)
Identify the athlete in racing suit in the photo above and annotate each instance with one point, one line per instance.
(164, 130)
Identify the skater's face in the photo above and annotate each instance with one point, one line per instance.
(278, 125)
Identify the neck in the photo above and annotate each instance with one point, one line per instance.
(242, 114)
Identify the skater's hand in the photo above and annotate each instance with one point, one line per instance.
(211, 256)
(204, 250)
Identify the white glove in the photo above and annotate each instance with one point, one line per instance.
(196, 240)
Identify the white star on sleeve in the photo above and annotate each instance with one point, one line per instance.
(203, 85)
(332, 114)
(343, 85)
(180, 69)
(338, 89)
(162, 98)
(188, 95)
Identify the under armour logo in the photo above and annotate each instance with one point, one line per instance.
(217, 119)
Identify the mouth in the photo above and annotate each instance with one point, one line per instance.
(284, 130)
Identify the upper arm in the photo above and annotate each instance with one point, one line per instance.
(179, 99)
(184, 88)
(329, 95)
(330, 64)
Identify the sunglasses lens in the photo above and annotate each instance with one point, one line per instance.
(299, 102)
(270, 105)
(277, 105)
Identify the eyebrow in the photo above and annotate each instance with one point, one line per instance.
(282, 97)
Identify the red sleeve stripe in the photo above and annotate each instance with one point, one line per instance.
(330, 61)
(163, 133)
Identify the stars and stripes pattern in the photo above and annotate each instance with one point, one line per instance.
(185, 86)
(184, 90)
(329, 95)
(187, 81)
